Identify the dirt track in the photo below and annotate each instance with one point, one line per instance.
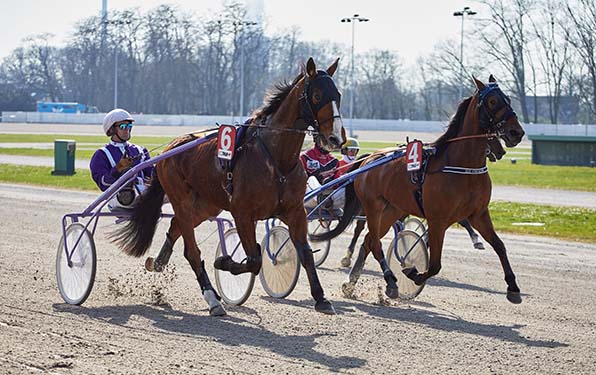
(461, 323)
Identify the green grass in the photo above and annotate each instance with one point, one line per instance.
(99, 139)
(30, 175)
(524, 173)
(572, 223)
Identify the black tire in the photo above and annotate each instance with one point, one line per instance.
(75, 282)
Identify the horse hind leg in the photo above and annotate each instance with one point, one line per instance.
(476, 242)
(246, 232)
(346, 261)
(379, 229)
(159, 263)
(348, 287)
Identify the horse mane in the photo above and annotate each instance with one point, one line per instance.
(454, 123)
(274, 97)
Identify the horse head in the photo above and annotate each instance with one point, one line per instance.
(320, 103)
(495, 113)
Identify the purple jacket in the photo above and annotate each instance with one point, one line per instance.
(104, 160)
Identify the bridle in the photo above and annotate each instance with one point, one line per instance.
(494, 128)
(330, 93)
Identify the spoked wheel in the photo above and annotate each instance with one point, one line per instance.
(75, 280)
(321, 249)
(416, 225)
(280, 271)
(233, 289)
(411, 252)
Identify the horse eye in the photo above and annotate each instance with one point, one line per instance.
(317, 97)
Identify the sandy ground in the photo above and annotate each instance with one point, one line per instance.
(135, 322)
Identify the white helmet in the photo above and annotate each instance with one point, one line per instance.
(115, 115)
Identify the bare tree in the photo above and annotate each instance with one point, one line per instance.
(503, 38)
(554, 48)
(582, 35)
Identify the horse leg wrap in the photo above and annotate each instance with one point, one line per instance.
(226, 263)
(388, 274)
(163, 257)
(204, 281)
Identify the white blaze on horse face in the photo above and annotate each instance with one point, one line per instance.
(337, 122)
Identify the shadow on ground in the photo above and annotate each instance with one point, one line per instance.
(229, 331)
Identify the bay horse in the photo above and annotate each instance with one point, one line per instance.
(268, 181)
(494, 152)
(456, 186)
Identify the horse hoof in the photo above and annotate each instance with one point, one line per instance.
(478, 245)
(217, 310)
(222, 262)
(325, 307)
(514, 297)
(391, 292)
(150, 264)
(348, 290)
(346, 262)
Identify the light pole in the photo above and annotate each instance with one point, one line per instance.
(242, 24)
(116, 22)
(462, 13)
(353, 20)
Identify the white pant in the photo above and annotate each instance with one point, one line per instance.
(338, 198)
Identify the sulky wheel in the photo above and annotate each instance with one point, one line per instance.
(281, 266)
(416, 225)
(411, 252)
(233, 289)
(320, 249)
(75, 278)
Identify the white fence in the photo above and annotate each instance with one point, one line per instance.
(358, 124)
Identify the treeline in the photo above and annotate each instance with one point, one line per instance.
(170, 62)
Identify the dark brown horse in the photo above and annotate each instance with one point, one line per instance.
(268, 181)
(494, 152)
(456, 186)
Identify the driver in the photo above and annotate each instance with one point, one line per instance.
(118, 156)
(321, 167)
(349, 151)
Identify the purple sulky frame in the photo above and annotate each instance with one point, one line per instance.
(93, 211)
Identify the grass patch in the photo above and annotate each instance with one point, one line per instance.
(524, 173)
(99, 139)
(31, 175)
(572, 223)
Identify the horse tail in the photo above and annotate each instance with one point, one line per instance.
(135, 237)
(352, 207)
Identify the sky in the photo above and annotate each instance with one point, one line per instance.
(409, 27)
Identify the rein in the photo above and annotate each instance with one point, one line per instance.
(488, 136)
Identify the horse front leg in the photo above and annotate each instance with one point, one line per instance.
(484, 225)
(436, 236)
(297, 227)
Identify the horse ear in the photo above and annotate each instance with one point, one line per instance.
(479, 85)
(333, 67)
(491, 79)
(311, 68)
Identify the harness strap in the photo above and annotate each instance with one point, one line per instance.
(462, 170)
(281, 179)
